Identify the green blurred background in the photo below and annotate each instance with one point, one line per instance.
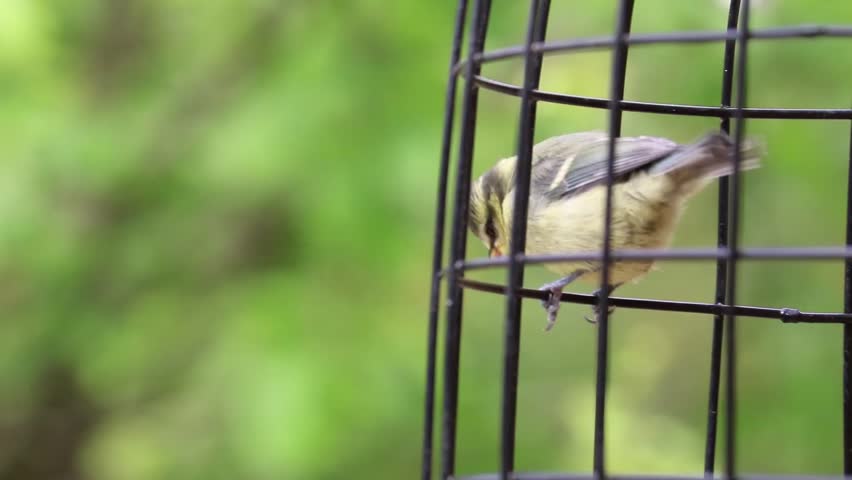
(216, 239)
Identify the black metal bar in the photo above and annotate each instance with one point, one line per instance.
(479, 23)
(678, 254)
(438, 245)
(786, 315)
(721, 266)
(617, 80)
(580, 476)
(536, 30)
(670, 108)
(733, 243)
(847, 330)
(680, 38)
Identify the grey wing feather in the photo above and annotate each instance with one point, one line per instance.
(549, 156)
(589, 165)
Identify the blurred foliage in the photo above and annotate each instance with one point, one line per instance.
(216, 239)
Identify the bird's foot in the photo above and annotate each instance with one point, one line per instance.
(551, 305)
(596, 309)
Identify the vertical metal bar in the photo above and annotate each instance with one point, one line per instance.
(733, 243)
(438, 242)
(619, 71)
(479, 23)
(847, 330)
(536, 30)
(721, 267)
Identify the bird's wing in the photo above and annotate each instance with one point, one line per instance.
(568, 166)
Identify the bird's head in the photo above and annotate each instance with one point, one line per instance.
(486, 219)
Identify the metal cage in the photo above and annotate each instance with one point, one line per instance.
(732, 113)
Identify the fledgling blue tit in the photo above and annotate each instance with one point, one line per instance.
(654, 177)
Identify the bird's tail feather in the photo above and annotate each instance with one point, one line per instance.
(709, 158)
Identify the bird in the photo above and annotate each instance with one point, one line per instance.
(654, 177)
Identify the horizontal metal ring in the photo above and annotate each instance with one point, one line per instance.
(754, 253)
(786, 315)
(589, 476)
(606, 42)
(668, 108)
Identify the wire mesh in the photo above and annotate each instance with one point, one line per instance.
(732, 112)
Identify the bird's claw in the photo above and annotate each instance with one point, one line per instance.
(551, 305)
(596, 311)
(596, 308)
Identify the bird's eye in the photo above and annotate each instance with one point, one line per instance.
(489, 230)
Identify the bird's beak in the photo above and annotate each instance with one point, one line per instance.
(495, 252)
